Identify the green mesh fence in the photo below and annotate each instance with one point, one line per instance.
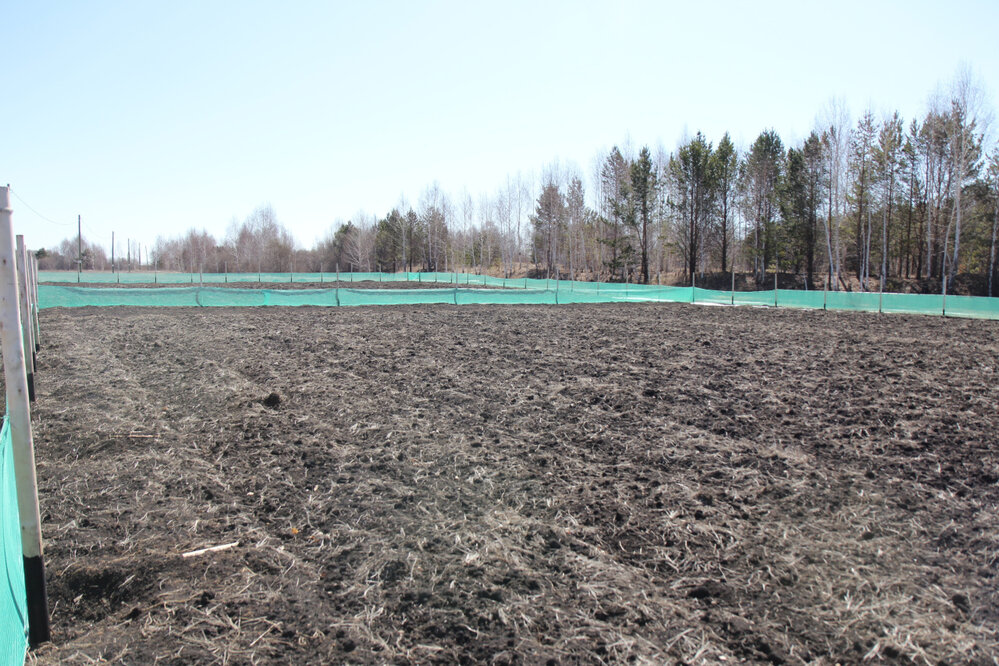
(13, 599)
(467, 289)
(145, 277)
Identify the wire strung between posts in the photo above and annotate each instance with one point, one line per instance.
(29, 207)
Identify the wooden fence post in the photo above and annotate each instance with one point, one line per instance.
(33, 263)
(19, 418)
(20, 262)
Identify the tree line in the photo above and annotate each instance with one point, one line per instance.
(854, 205)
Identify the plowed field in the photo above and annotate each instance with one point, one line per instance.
(531, 484)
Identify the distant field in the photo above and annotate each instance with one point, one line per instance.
(601, 483)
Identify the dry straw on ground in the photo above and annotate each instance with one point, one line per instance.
(648, 483)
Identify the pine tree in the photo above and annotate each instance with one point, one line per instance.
(910, 254)
(814, 163)
(549, 224)
(887, 155)
(618, 210)
(725, 164)
(759, 178)
(861, 166)
(576, 218)
(693, 176)
(643, 188)
(993, 190)
(793, 209)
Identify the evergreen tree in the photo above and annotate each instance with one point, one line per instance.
(887, 161)
(992, 178)
(935, 153)
(861, 166)
(814, 163)
(576, 218)
(910, 254)
(966, 154)
(693, 175)
(549, 226)
(618, 210)
(725, 164)
(643, 188)
(793, 195)
(760, 176)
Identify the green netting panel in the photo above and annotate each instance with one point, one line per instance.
(504, 297)
(435, 278)
(471, 279)
(754, 298)
(979, 307)
(793, 298)
(912, 303)
(573, 285)
(53, 296)
(562, 293)
(292, 296)
(580, 292)
(710, 296)
(13, 598)
(853, 300)
(363, 277)
(663, 295)
(566, 297)
(395, 296)
(160, 277)
(216, 296)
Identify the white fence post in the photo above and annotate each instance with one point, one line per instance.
(34, 290)
(29, 316)
(19, 416)
(20, 261)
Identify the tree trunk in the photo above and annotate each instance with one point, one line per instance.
(884, 249)
(645, 244)
(957, 230)
(724, 231)
(992, 247)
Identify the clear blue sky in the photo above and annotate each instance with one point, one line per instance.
(152, 118)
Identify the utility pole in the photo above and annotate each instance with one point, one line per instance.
(112, 252)
(79, 247)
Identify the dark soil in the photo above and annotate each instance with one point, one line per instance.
(530, 484)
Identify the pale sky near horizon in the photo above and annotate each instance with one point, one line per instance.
(152, 118)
